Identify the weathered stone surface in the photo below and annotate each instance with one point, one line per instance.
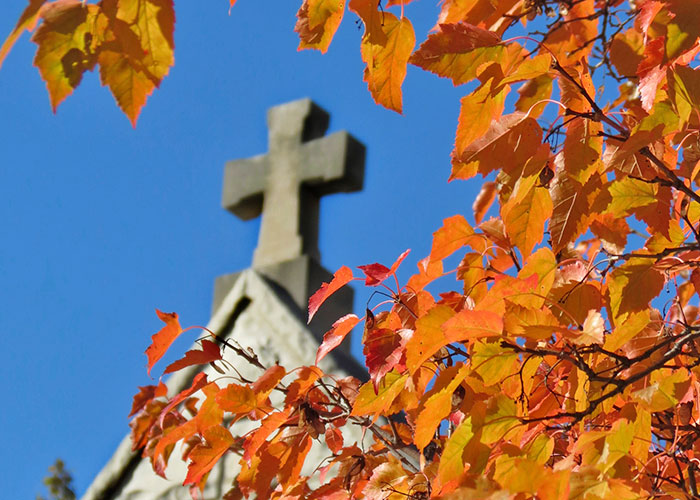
(286, 185)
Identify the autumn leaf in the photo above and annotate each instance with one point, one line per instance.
(468, 324)
(341, 278)
(27, 21)
(484, 199)
(335, 336)
(452, 464)
(210, 352)
(453, 235)
(199, 381)
(386, 61)
(205, 456)
(376, 273)
(516, 133)
(66, 40)
(372, 18)
(571, 209)
(139, 54)
(145, 395)
(268, 425)
(369, 402)
(160, 342)
(428, 338)
(632, 286)
(525, 214)
(437, 404)
(457, 51)
(317, 22)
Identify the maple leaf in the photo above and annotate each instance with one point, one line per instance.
(139, 54)
(632, 286)
(369, 402)
(516, 133)
(204, 456)
(377, 273)
(317, 22)
(199, 381)
(437, 404)
(66, 45)
(386, 61)
(571, 210)
(371, 18)
(484, 199)
(453, 235)
(457, 51)
(341, 278)
(145, 395)
(335, 336)
(27, 21)
(210, 352)
(160, 342)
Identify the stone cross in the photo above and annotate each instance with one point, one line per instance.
(286, 184)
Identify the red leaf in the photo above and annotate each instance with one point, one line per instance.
(199, 381)
(334, 439)
(210, 352)
(205, 456)
(160, 342)
(335, 336)
(145, 395)
(341, 278)
(376, 273)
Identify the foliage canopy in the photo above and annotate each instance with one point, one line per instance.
(566, 363)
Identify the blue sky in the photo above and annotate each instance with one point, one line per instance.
(102, 223)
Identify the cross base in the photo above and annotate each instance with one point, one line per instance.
(295, 280)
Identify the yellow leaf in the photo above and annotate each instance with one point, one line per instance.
(451, 462)
(66, 46)
(386, 62)
(139, 55)
(632, 286)
(317, 22)
(370, 403)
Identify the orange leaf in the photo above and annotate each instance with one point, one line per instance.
(437, 404)
(160, 342)
(517, 133)
(205, 456)
(571, 210)
(428, 271)
(268, 380)
(468, 324)
(457, 51)
(452, 236)
(525, 213)
(317, 22)
(632, 286)
(372, 19)
(335, 336)
(484, 199)
(199, 381)
(268, 425)
(428, 338)
(386, 61)
(210, 352)
(341, 278)
(308, 375)
(238, 399)
(27, 21)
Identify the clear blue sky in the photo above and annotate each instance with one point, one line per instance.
(101, 223)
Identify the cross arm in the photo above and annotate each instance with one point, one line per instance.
(335, 163)
(244, 183)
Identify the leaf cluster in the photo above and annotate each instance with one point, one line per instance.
(566, 361)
